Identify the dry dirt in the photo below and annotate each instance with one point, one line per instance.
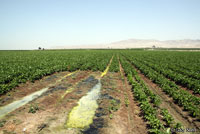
(113, 115)
(117, 118)
(118, 112)
(52, 109)
(29, 87)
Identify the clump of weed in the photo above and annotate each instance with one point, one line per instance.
(2, 123)
(178, 126)
(111, 116)
(73, 77)
(114, 105)
(126, 100)
(33, 108)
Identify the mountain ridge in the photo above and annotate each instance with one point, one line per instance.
(140, 43)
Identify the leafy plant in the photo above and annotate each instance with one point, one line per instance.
(33, 108)
(167, 117)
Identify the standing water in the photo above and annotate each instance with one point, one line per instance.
(82, 115)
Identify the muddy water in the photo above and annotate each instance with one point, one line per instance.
(16, 104)
(82, 115)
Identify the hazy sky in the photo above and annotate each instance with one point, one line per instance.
(27, 24)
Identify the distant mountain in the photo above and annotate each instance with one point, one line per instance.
(136, 43)
(139, 43)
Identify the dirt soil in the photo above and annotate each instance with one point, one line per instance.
(115, 115)
(118, 112)
(29, 87)
(52, 111)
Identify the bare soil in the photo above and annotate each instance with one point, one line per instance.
(52, 112)
(27, 88)
(138, 124)
(118, 112)
(117, 118)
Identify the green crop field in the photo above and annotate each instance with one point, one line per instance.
(164, 84)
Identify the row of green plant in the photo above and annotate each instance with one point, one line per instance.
(114, 67)
(181, 97)
(179, 78)
(182, 67)
(148, 111)
(127, 67)
(189, 73)
(185, 63)
(20, 66)
(149, 102)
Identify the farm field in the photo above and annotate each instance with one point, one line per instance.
(99, 92)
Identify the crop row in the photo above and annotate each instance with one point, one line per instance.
(20, 66)
(179, 78)
(149, 102)
(184, 99)
(114, 67)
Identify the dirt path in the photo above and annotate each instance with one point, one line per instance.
(125, 120)
(137, 123)
(117, 109)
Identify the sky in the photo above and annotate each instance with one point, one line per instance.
(28, 24)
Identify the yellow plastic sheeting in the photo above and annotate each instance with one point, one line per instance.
(67, 76)
(107, 68)
(82, 115)
(67, 91)
(71, 73)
